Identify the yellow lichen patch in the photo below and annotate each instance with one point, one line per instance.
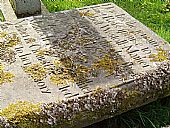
(161, 56)
(13, 40)
(107, 63)
(9, 39)
(66, 71)
(7, 55)
(97, 90)
(61, 79)
(81, 73)
(60, 74)
(45, 51)
(86, 13)
(5, 77)
(36, 71)
(57, 63)
(1, 67)
(20, 111)
(3, 34)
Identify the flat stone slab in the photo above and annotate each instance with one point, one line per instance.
(78, 67)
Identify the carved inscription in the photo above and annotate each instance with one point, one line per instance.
(69, 54)
(126, 34)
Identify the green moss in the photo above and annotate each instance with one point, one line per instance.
(2, 18)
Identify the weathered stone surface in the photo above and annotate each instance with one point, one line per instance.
(74, 68)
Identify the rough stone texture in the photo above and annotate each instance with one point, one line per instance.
(82, 66)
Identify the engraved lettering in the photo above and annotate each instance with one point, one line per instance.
(27, 54)
(40, 58)
(19, 49)
(43, 87)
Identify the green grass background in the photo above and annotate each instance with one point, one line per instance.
(1, 16)
(153, 13)
(156, 15)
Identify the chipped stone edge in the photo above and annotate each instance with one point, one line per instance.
(102, 103)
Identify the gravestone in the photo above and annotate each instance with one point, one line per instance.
(13, 9)
(24, 8)
(78, 67)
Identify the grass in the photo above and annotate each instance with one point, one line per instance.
(1, 16)
(156, 15)
(153, 115)
(153, 13)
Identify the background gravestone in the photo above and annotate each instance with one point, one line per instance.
(74, 68)
(24, 8)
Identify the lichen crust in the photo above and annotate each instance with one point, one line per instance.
(99, 104)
